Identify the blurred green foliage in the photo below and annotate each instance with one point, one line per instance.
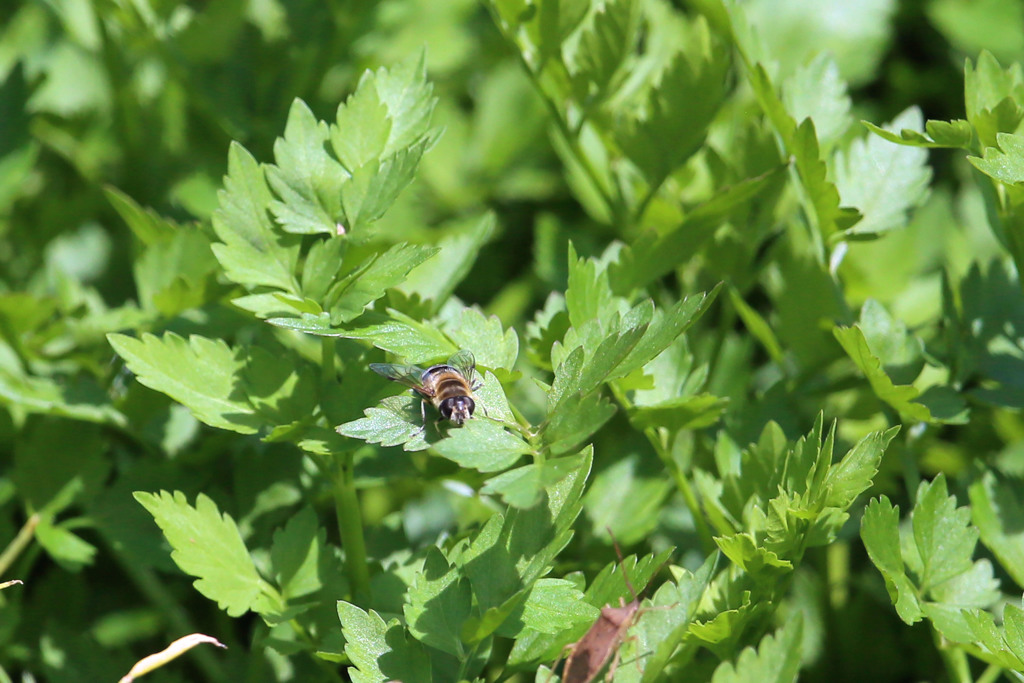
(712, 314)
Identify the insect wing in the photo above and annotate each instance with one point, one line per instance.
(409, 375)
(465, 363)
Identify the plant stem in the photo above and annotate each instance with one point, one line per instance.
(837, 559)
(615, 208)
(990, 674)
(350, 527)
(346, 500)
(682, 483)
(955, 660)
(19, 543)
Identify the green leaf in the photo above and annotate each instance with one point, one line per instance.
(997, 510)
(605, 42)
(362, 126)
(375, 185)
(939, 552)
(523, 487)
(147, 225)
(975, 587)
(777, 659)
(323, 263)
(821, 197)
(511, 553)
(772, 105)
(436, 279)
(207, 545)
(679, 107)
(664, 328)
(71, 552)
(475, 629)
(409, 99)
(757, 325)
(662, 629)
(296, 554)
(817, 91)
(881, 181)
(399, 334)
(754, 559)
(942, 533)
(625, 496)
(655, 254)
(252, 252)
(79, 398)
(852, 475)
(1003, 647)
(822, 193)
(548, 326)
(599, 367)
(722, 633)
(551, 606)
(901, 352)
(200, 373)
(381, 652)
(993, 97)
(275, 390)
(574, 421)
(956, 134)
(396, 421)
(171, 275)
(553, 23)
(612, 583)
(881, 535)
(685, 412)
(347, 299)
(512, 12)
(437, 604)
(491, 401)
(1004, 163)
(305, 177)
(588, 295)
(493, 346)
(790, 32)
(900, 397)
(482, 445)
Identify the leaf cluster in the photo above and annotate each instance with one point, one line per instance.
(714, 320)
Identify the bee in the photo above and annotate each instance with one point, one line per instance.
(449, 386)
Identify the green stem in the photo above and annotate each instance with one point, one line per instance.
(350, 527)
(955, 660)
(648, 196)
(682, 483)
(990, 674)
(572, 141)
(346, 500)
(19, 543)
(524, 426)
(837, 562)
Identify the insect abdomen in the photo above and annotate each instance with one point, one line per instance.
(448, 387)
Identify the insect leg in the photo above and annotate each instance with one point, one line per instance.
(571, 648)
(423, 414)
